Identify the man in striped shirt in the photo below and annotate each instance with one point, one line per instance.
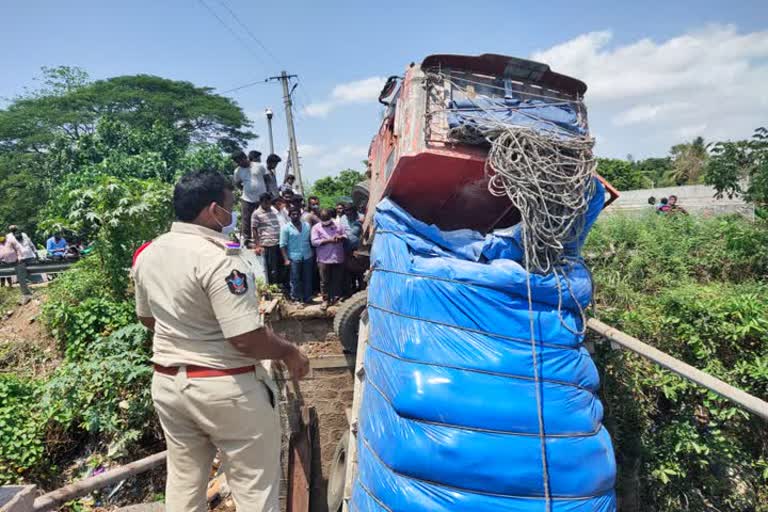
(265, 233)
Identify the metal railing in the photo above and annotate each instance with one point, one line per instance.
(735, 395)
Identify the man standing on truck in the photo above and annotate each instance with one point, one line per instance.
(265, 227)
(249, 177)
(210, 390)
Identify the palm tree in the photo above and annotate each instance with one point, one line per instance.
(689, 161)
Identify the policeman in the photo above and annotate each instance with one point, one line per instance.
(209, 388)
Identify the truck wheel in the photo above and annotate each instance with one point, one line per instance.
(337, 475)
(347, 320)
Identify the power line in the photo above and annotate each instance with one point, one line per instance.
(249, 32)
(233, 32)
(250, 84)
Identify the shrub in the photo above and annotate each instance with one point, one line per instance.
(692, 288)
(106, 395)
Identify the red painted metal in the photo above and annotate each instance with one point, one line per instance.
(437, 181)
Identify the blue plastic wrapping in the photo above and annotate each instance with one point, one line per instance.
(449, 417)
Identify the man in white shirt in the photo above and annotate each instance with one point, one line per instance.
(248, 177)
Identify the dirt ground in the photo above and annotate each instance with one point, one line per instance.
(25, 345)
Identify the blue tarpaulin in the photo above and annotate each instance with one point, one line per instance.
(449, 418)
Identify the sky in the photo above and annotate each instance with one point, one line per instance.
(658, 72)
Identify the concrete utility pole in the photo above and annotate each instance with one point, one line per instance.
(268, 112)
(293, 148)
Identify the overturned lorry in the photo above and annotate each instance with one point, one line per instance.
(476, 392)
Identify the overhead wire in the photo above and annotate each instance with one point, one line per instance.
(234, 33)
(249, 32)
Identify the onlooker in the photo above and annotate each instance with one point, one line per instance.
(328, 240)
(674, 207)
(652, 201)
(297, 252)
(662, 207)
(11, 256)
(56, 246)
(339, 213)
(282, 211)
(28, 249)
(249, 177)
(287, 194)
(265, 227)
(355, 266)
(288, 184)
(270, 178)
(313, 210)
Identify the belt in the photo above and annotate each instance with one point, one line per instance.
(197, 372)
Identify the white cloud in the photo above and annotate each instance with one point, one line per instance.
(359, 91)
(708, 82)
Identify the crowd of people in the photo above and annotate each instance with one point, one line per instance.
(667, 205)
(17, 251)
(305, 248)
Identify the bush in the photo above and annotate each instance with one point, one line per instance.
(692, 288)
(81, 309)
(106, 396)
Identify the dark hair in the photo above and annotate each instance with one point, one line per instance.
(663, 200)
(253, 155)
(273, 159)
(293, 208)
(326, 213)
(196, 190)
(290, 177)
(266, 196)
(313, 197)
(673, 195)
(651, 200)
(237, 156)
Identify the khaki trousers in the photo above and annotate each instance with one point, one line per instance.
(234, 414)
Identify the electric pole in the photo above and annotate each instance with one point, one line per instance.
(269, 114)
(293, 148)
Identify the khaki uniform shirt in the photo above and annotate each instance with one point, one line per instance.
(198, 295)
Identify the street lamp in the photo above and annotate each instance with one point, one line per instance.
(268, 112)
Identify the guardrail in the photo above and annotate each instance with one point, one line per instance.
(735, 395)
(38, 268)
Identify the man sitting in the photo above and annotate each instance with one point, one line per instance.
(57, 247)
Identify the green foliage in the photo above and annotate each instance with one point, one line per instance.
(734, 163)
(689, 161)
(692, 288)
(21, 435)
(332, 189)
(622, 174)
(71, 133)
(106, 395)
(81, 309)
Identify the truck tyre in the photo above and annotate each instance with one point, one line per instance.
(337, 475)
(347, 320)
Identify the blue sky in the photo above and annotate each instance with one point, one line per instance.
(659, 72)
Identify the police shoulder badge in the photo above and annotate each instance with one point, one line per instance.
(237, 282)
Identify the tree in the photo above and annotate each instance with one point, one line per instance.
(689, 161)
(741, 168)
(622, 174)
(331, 189)
(656, 170)
(69, 106)
(71, 132)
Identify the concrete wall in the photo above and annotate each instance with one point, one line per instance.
(697, 199)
